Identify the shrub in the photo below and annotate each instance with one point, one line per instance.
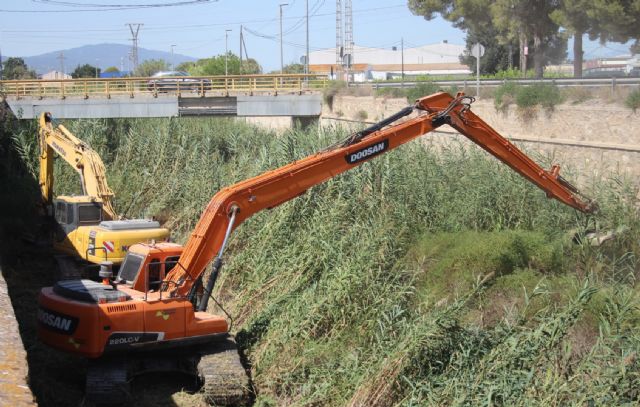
(504, 95)
(421, 90)
(391, 92)
(633, 100)
(362, 115)
(545, 95)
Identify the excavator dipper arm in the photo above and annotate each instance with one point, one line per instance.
(84, 160)
(459, 116)
(275, 187)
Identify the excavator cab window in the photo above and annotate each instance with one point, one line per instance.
(89, 214)
(130, 267)
(170, 263)
(154, 274)
(61, 212)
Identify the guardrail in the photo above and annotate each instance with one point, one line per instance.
(467, 83)
(247, 84)
(183, 86)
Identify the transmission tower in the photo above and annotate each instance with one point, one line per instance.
(134, 28)
(61, 57)
(339, 44)
(348, 33)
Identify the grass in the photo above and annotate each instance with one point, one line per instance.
(423, 277)
(633, 100)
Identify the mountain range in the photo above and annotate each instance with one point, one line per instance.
(102, 55)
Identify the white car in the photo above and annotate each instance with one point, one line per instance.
(166, 81)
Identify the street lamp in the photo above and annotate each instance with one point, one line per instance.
(281, 58)
(172, 61)
(226, 51)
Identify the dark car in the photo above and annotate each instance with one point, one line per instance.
(167, 81)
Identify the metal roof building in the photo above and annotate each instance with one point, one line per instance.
(379, 63)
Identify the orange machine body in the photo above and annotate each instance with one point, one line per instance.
(137, 316)
(153, 301)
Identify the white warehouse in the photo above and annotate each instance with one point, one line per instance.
(379, 63)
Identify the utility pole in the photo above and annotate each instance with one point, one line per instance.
(172, 59)
(402, 59)
(226, 51)
(281, 54)
(306, 61)
(97, 63)
(134, 40)
(240, 49)
(61, 58)
(339, 43)
(348, 37)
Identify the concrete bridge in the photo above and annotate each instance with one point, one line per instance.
(295, 96)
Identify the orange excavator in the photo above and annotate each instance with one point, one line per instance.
(158, 299)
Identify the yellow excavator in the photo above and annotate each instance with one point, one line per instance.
(87, 225)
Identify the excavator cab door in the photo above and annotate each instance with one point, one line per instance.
(164, 315)
(64, 213)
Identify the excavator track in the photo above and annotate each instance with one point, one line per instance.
(108, 382)
(225, 381)
(216, 365)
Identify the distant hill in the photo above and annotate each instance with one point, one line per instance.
(104, 55)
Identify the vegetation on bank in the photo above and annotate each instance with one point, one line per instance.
(424, 277)
(633, 100)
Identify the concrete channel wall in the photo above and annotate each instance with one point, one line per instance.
(14, 390)
(593, 139)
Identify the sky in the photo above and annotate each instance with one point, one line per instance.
(32, 27)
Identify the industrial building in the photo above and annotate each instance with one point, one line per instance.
(55, 75)
(379, 63)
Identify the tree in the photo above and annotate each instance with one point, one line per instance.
(474, 18)
(112, 69)
(216, 66)
(250, 67)
(150, 67)
(186, 66)
(512, 20)
(529, 19)
(616, 20)
(293, 68)
(497, 56)
(86, 71)
(576, 17)
(16, 68)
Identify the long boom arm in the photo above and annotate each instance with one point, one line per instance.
(82, 158)
(275, 187)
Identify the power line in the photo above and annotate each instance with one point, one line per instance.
(149, 5)
(106, 7)
(314, 9)
(203, 25)
(167, 27)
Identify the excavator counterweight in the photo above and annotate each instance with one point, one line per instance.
(158, 299)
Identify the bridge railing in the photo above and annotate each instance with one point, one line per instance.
(183, 86)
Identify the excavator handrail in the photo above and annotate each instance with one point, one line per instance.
(80, 156)
(275, 187)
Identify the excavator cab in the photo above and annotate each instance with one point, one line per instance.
(145, 266)
(71, 212)
(81, 229)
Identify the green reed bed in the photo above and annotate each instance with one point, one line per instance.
(424, 277)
